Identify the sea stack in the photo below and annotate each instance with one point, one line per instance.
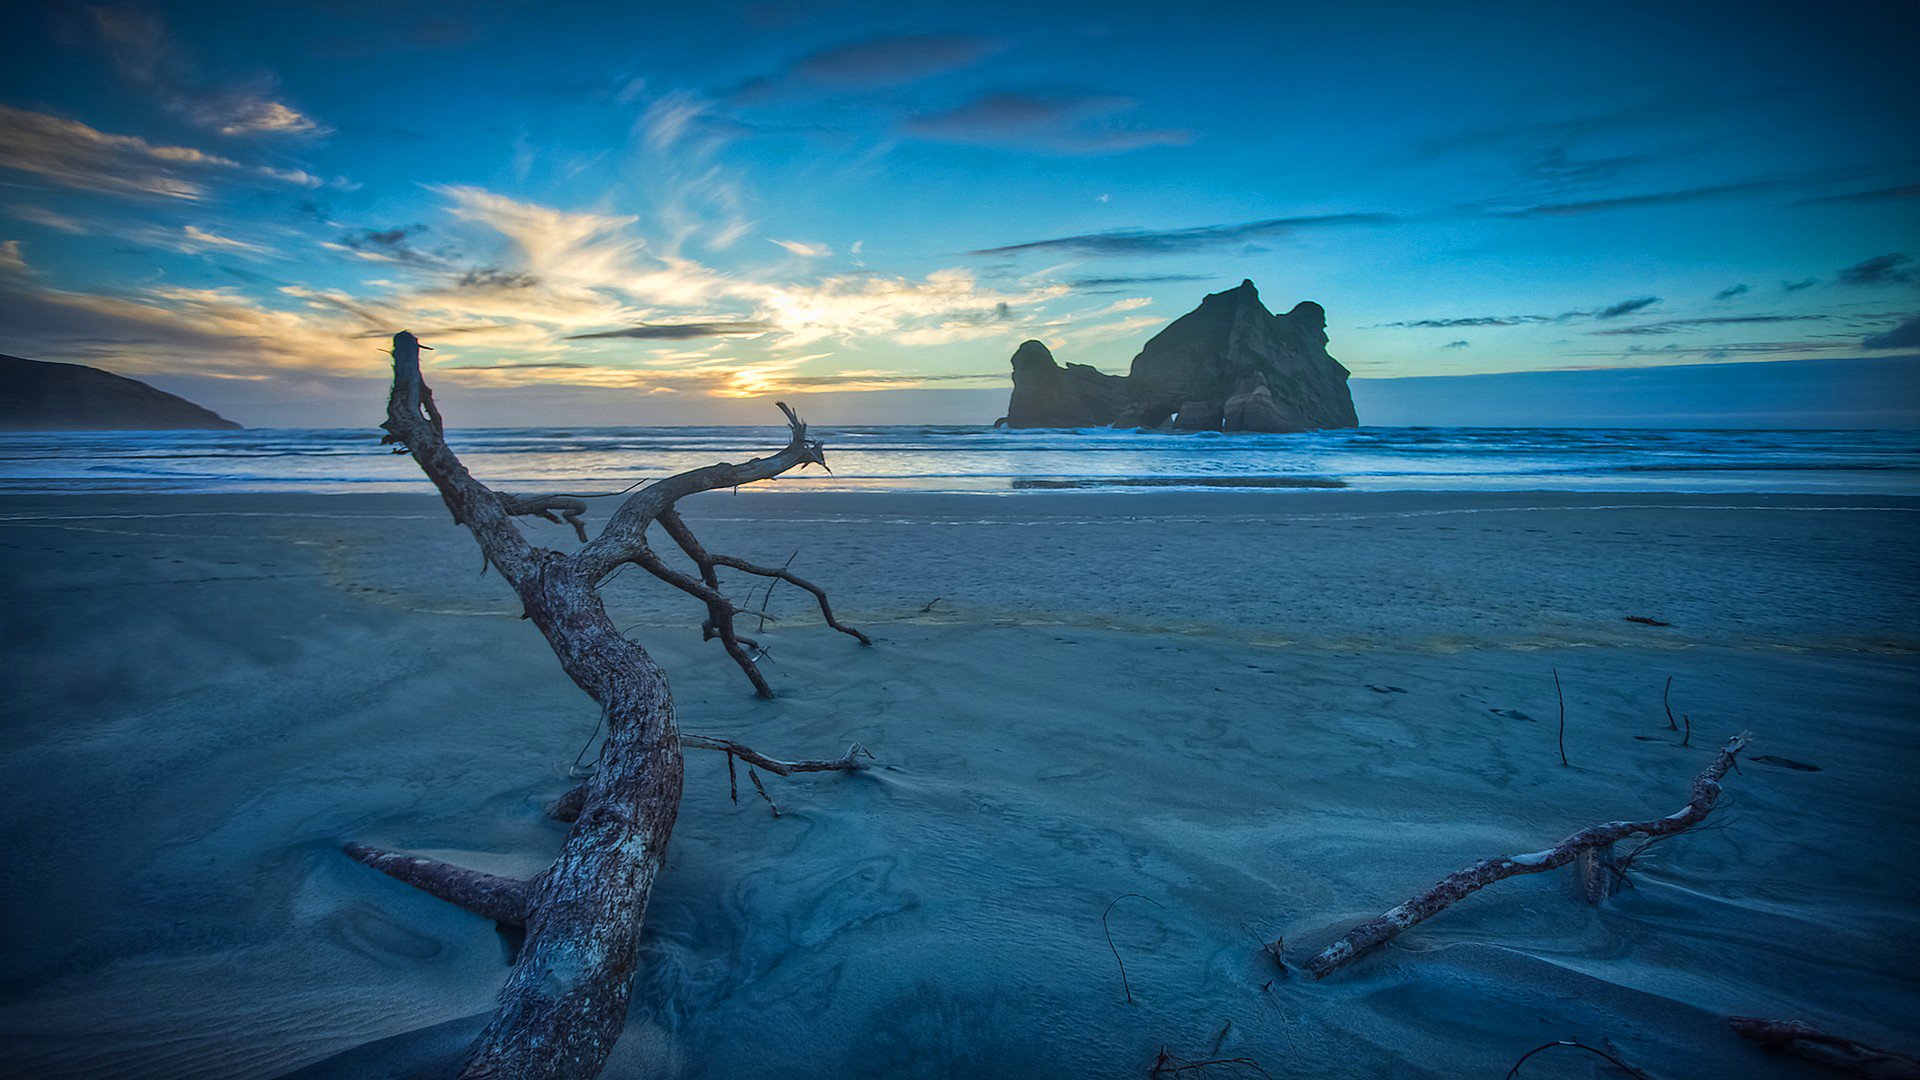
(1228, 365)
(1048, 395)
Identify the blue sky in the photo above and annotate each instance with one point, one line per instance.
(683, 209)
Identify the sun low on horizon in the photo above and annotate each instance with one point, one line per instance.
(686, 210)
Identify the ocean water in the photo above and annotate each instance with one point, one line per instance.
(984, 460)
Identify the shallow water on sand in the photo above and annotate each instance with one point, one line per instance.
(977, 459)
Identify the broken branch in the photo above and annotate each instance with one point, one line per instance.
(1590, 842)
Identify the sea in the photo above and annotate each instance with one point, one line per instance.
(983, 460)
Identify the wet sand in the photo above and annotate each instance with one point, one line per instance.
(1270, 713)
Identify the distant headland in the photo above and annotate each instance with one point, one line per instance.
(39, 396)
(1228, 365)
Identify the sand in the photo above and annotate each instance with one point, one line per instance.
(1268, 713)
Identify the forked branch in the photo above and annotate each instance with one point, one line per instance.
(1834, 1051)
(1590, 842)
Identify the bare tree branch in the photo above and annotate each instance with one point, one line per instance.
(1371, 935)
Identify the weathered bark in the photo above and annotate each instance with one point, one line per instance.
(567, 807)
(1589, 843)
(565, 1000)
(504, 900)
(1834, 1051)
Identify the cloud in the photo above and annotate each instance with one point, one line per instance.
(680, 331)
(11, 259)
(1675, 326)
(71, 154)
(1904, 336)
(1898, 191)
(1732, 291)
(1611, 311)
(801, 248)
(149, 58)
(1653, 198)
(1137, 279)
(1626, 307)
(386, 245)
(1463, 344)
(880, 62)
(1176, 241)
(1895, 268)
(1796, 286)
(1059, 123)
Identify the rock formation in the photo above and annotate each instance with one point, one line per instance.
(39, 396)
(1048, 395)
(1228, 365)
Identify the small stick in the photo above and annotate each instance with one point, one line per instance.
(1630, 1070)
(761, 788)
(1563, 715)
(1688, 737)
(929, 606)
(733, 782)
(1668, 705)
(1125, 988)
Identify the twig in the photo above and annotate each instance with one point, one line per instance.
(1563, 715)
(1666, 704)
(1688, 737)
(1630, 1070)
(1125, 988)
(929, 606)
(762, 789)
(1168, 1065)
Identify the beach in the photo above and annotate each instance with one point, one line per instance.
(1263, 713)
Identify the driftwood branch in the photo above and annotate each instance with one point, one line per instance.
(1591, 843)
(503, 900)
(1834, 1051)
(565, 1001)
(567, 807)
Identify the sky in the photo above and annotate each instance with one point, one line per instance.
(650, 213)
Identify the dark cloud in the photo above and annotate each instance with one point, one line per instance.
(1904, 336)
(1611, 311)
(680, 331)
(1796, 286)
(1626, 307)
(1894, 268)
(1462, 344)
(1732, 291)
(1675, 326)
(874, 63)
(1053, 122)
(1652, 198)
(1138, 279)
(493, 277)
(1176, 241)
(1899, 191)
(396, 244)
(897, 59)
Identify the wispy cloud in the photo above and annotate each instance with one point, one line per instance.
(148, 57)
(803, 249)
(1461, 344)
(1122, 242)
(1896, 268)
(1732, 291)
(1051, 122)
(680, 331)
(1609, 311)
(875, 63)
(1676, 326)
(1796, 286)
(72, 154)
